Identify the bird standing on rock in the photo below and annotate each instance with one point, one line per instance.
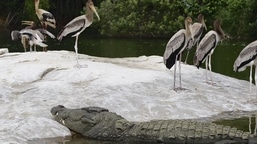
(247, 57)
(207, 46)
(42, 33)
(175, 46)
(45, 17)
(78, 25)
(197, 29)
(31, 36)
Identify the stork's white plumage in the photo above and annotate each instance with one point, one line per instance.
(15, 35)
(45, 17)
(42, 33)
(247, 57)
(34, 37)
(197, 30)
(25, 42)
(207, 46)
(78, 25)
(176, 46)
(30, 34)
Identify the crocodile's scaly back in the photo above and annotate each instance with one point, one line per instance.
(184, 131)
(110, 126)
(99, 123)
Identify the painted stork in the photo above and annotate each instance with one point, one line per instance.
(176, 46)
(247, 57)
(78, 25)
(45, 17)
(197, 30)
(42, 33)
(34, 37)
(24, 38)
(207, 46)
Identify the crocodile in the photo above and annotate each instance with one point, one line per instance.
(98, 123)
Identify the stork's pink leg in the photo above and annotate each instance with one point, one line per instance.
(175, 68)
(187, 56)
(210, 69)
(255, 78)
(250, 80)
(76, 50)
(206, 69)
(180, 58)
(77, 56)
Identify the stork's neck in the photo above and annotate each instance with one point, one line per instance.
(220, 31)
(89, 14)
(200, 18)
(202, 22)
(188, 32)
(29, 27)
(36, 5)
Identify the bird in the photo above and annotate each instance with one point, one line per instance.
(45, 17)
(247, 57)
(197, 30)
(207, 46)
(25, 38)
(34, 37)
(78, 25)
(176, 46)
(42, 33)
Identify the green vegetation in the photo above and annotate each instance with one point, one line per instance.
(142, 18)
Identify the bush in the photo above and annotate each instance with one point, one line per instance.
(144, 18)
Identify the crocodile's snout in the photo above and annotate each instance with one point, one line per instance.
(56, 109)
(59, 113)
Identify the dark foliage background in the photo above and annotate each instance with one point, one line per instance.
(141, 18)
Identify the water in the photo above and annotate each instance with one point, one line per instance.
(222, 61)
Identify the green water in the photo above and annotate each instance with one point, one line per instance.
(239, 123)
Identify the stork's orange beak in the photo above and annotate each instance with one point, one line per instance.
(204, 25)
(92, 7)
(27, 23)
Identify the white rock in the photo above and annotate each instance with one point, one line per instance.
(3, 51)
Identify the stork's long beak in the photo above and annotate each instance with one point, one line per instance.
(26, 22)
(191, 32)
(94, 10)
(204, 25)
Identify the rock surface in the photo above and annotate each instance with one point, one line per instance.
(139, 89)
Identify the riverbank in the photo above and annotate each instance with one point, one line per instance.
(138, 88)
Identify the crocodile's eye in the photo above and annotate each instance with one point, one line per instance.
(63, 114)
(87, 119)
